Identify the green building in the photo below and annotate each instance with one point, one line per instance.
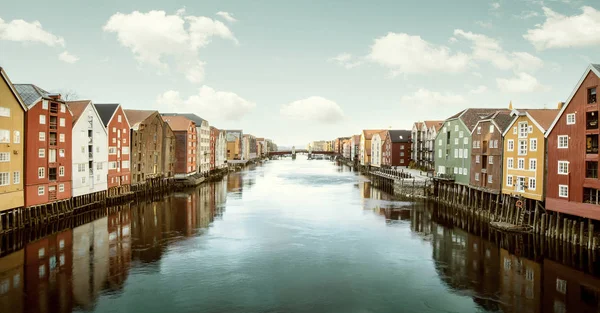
(452, 146)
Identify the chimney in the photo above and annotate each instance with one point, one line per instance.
(510, 105)
(560, 105)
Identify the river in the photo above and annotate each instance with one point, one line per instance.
(288, 236)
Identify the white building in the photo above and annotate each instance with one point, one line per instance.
(346, 148)
(203, 146)
(221, 150)
(376, 144)
(90, 149)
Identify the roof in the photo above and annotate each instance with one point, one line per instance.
(544, 117)
(178, 123)
(436, 124)
(77, 108)
(135, 117)
(591, 68)
(13, 89)
(368, 133)
(399, 135)
(106, 111)
(30, 93)
(418, 125)
(381, 134)
(502, 119)
(197, 119)
(471, 116)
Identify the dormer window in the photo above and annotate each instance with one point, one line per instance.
(592, 95)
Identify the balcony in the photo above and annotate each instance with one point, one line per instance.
(591, 169)
(53, 107)
(590, 195)
(591, 120)
(90, 140)
(52, 123)
(591, 144)
(52, 174)
(484, 147)
(591, 95)
(445, 176)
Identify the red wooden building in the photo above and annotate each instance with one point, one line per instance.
(48, 125)
(573, 186)
(118, 129)
(396, 148)
(214, 134)
(185, 147)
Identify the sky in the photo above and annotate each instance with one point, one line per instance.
(304, 70)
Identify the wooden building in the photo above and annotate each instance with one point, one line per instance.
(396, 150)
(203, 140)
(48, 146)
(214, 135)
(12, 145)
(524, 153)
(364, 152)
(234, 144)
(89, 149)
(487, 150)
(185, 147)
(118, 129)
(431, 130)
(376, 148)
(573, 185)
(148, 143)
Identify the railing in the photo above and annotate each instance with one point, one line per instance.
(591, 99)
(90, 139)
(91, 155)
(445, 176)
(52, 142)
(52, 125)
(53, 108)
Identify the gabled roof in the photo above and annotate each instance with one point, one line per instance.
(436, 124)
(13, 89)
(471, 116)
(399, 135)
(368, 133)
(106, 111)
(381, 133)
(136, 117)
(30, 93)
(197, 119)
(178, 123)
(501, 119)
(542, 118)
(418, 125)
(77, 108)
(591, 68)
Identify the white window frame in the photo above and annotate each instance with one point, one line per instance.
(477, 158)
(491, 159)
(490, 179)
(5, 157)
(476, 176)
(16, 136)
(533, 161)
(491, 128)
(42, 136)
(42, 119)
(519, 162)
(533, 144)
(563, 142)
(61, 188)
(510, 163)
(41, 172)
(41, 153)
(61, 171)
(564, 188)
(523, 129)
(510, 145)
(41, 190)
(522, 151)
(563, 168)
(16, 177)
(4, 178)
(532, 180)
(61, 137)
(455, 141)
(509, 180)
(478, 130)
(61, 122)
(571, 119)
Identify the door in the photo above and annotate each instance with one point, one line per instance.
(520, 184)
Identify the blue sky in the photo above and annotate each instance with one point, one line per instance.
(302, 71)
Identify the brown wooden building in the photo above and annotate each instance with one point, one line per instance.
(573, 186)
(148, 143)
(186, 140)
(396, 148)
(486, 152)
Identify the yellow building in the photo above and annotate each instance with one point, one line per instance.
(12, 143)
(364, 149)
(524, 146)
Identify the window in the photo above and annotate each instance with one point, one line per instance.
(456, 170)
(563, 191)
(61, 137)
(42, 136)
(445, 129)
(477, 158)
(521, 163)
(531, 183)
(83, 180)
(522, 147)
(114, 140)
(510, 145)
(42, 119)
(61, 171)
(466, 140)
(61, 122)
(514, 130)
(61, 188)
(42, 153)
(455, 153)
(533, 144)
(40, 190)
(124, 140)
(523, 130)
(81, 168)
(99, 165)
(496, 143)
(510, 163)
(491, 128)
(16, 177)
(532, 164)
(460, 153)
(125, 164)
(4, 136)
(112, 150)
(62, 108)
(478, 130)
(17, 136)
(460, 170)
(439, 142)
(571, 119)
(439, 153)
(563, 142)
(124, 130)
(61, 153)
(509, 180)
(491, 159)
(455, 141)
(563, 167)
(461, 134)
(592, 95)
(455, 128)
(490, 179)
(4, 112)
(4, 179)
(41, 172)
(119, 118)
(125, 150)
(4, 156)
(477, 176)
(465, 172)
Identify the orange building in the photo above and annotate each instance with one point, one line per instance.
(185, 145)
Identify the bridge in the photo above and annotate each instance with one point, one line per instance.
(287, 152)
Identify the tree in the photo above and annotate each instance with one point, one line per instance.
(68, 94)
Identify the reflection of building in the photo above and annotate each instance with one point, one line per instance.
(520, 283)
(90, 262)
(11, 282)
(185, 216)
(119, 247)
(569, 290)
(48, 273)
(147, 222)
(234, 183)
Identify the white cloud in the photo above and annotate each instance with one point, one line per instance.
(346, 60)
(425, 97)
(527, 15)
(313, 109)
(403, 53)
(478, 90)
(227, 16)
(495, 5)
(65, 56)
(155, 36)
(522, 83)
(209, 103)
(22, 31)
(489, 49)
(484, 24)
(561, 31)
